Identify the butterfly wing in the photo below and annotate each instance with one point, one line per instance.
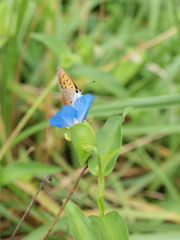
(70, 92)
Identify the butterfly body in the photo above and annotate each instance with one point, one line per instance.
(70, 92)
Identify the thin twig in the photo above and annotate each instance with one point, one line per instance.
(47, 178)
(65, 202)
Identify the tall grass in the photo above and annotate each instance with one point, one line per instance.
(131, 50)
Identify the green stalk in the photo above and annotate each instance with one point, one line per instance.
(101, 187)
(175, 15)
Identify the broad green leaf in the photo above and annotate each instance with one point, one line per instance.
(19, 170)
(84, 140)
(111, 227)
(80, 225)
(92, 163)
(108, 140)
(105, 158)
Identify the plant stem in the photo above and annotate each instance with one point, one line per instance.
(100, 198)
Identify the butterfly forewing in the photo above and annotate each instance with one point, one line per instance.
(70, 91)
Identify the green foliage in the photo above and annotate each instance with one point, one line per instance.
(131, 50)
(80, 225)
(19, 170)
(109, 140)
(111, 226)
(52, 42)
(84, 141)
(138, 104)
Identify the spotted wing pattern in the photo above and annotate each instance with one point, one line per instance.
(70, 92)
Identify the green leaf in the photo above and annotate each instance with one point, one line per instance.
(30, 131)
(84, 140)
(7, 214)
(139, 104)
(80, 225)
(38, 232)
(109, 139)
(156, 236)
(127, 69)
(57, 45)
(104, 160)
(107, 83)
(19, 170)
(112, 226)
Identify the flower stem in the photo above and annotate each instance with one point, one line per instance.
(101, 186)
(100, 199)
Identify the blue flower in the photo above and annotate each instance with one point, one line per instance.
(68, 115)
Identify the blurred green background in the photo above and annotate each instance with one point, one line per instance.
(131, 49)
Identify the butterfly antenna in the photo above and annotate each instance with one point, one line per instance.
(90, 83)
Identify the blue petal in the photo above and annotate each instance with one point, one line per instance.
(82, 105)
(64, 118)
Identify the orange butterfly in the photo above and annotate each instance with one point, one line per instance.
(70, 92)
